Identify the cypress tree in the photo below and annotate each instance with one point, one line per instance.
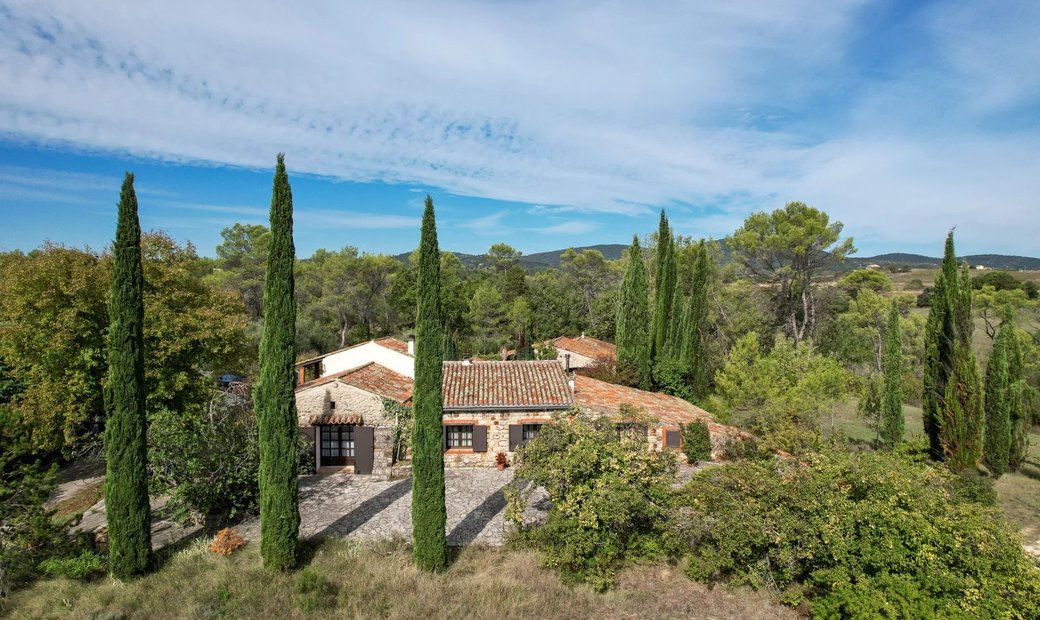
(961, 426)
(693, 351)
(632, 331)
(275, 400)
(126, 450)
(429, 515)
(939, 339)
(1016, 384)
(664, 288)
(673, 346)
(892, 421)
(999, 393)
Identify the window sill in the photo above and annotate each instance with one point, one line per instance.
(459, 451)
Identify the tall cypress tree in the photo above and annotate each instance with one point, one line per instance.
(694, 319)
(664, 288)
(632, 331)
(275, 399)
(962, 423)
(939, 339)
(1016, 385)
(999, 393)
(429, 515)
(126, 450)
(892, 421)
(673, 346)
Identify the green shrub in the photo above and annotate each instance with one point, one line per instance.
(862, 535)
(611, 499)
(87, 564)
(973, 486)
(313, 591)
(696, 442)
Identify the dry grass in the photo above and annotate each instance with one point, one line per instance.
(379, 580)
(80, 501)
(847, 421)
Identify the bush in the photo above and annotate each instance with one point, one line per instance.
(869, 534)
(87, 564)
(696, 442)
(915, 285)
(313, 591)
(611, 499)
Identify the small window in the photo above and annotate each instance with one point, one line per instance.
(631, 430)
(332, 404)
(459, 436)
(531, 431)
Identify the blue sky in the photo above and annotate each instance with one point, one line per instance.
(540, 124)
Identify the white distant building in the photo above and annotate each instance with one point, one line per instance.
(389, 352)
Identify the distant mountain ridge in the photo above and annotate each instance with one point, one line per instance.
(613, 251)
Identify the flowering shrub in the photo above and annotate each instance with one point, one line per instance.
(866, 535)
(610, 497)
(226, 542)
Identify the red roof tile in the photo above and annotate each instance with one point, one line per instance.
(587, 346)
(393, 344)
(349, 418)
(606, 398)
(371, 377)
(387, 342)
(506, 385)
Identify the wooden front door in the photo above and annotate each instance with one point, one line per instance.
(337, 445)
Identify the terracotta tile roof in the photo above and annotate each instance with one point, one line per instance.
(587, 346)
(606, 398)
(371, 377)
(393, 344)
(506, 385)
(348, 418)
(387, 342)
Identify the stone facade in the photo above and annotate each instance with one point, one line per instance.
(497, 424)
(350, 400)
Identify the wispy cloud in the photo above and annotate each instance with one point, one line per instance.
(571, 227)
(489, 224)
(615, 110)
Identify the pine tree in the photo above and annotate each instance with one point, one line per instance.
(999, 393)
(632, 334)
(939, 340)
(693, 354)
(664, 288)
(275, 400)
(428, 511)
(962, 423)
(126, 451)
(892, 421)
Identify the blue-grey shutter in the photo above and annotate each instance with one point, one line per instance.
(672, 439)
(479, 438)
(516, 436)
(364, 449)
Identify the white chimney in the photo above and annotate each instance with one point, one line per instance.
(466, 361)
(570, 383)
(411, 345)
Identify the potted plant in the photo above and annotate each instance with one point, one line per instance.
(501, 460)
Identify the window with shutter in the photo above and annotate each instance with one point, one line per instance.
(672, 439)
(458, 436)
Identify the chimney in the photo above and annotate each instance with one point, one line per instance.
(411, 345)
(567, 362)
(505, 354)
(466, 361)
(582, 334)
(570, 383)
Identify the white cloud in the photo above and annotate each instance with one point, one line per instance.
(570, 227)
(596, 107)
(490, 224)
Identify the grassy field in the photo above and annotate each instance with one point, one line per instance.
(379, 580)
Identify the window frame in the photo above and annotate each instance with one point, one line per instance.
(458, 433)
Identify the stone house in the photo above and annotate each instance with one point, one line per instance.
(489, 407)
(397, 355)
(583, 351)
(344, 415)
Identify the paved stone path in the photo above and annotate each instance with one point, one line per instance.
(360, 507)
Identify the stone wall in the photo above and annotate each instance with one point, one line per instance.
(315, 401)
(497, 423)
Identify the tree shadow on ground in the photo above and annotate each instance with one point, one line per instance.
(477, 519)
(367, 510)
